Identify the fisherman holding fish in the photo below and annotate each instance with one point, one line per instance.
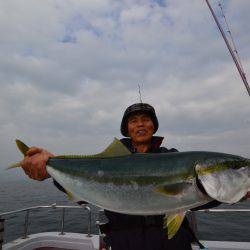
(130, 232)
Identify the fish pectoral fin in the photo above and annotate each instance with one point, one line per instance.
(173, 223)
(173, 189)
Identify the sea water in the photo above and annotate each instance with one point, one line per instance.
(21, 193)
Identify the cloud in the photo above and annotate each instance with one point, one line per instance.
(70, 68)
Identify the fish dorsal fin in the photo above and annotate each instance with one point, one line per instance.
(116, 148)
(22, 147)
(173, 223)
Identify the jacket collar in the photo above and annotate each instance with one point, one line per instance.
(155, 143)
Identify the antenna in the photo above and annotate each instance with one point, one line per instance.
(237, 63)
(139, 90)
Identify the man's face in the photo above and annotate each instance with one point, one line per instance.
(140, 128)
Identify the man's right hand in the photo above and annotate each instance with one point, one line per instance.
(34, 163)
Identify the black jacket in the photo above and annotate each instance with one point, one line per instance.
(133, 232)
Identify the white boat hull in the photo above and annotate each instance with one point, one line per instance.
(72, 241)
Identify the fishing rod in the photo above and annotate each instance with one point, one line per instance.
(241, 72)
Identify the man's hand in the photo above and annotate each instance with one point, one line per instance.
(34, 163)
(248, 195)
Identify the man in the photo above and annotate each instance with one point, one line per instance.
(128, 232)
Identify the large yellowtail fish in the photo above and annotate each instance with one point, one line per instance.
(151, 184)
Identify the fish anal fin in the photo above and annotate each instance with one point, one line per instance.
(173, 189)
(70, 196)
(173, 223)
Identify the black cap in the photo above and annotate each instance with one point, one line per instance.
(138, 108)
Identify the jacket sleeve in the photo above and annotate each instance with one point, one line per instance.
(209, 205)
(166, 150)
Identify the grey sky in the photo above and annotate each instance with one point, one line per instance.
(68, 69)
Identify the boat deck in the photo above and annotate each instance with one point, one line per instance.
(76, 241)
(51, 248)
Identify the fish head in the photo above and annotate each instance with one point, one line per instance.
(225, 179)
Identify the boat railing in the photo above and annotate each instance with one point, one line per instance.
(53, 206)
(217, 210)
(85, 207)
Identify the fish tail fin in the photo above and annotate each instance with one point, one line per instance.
(173, 223)
(23, 148)
(15, 165)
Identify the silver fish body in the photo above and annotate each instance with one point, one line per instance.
(149, 184)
